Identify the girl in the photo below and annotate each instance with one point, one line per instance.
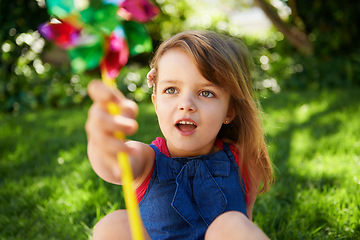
(201, 180)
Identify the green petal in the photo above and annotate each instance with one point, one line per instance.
(64, 8)
(83, 58)
(137, 37)
(103, 19)
(60, 8)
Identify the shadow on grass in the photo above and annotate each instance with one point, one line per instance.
(33, 172)
(292, 210)
(48, 189)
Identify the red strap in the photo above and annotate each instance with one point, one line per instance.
(140, 191)
(244, 171)
(160, 143)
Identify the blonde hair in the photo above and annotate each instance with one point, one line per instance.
(227, 63)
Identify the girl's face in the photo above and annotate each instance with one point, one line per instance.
(190, 109)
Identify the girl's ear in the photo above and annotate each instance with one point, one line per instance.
(153, 99)
(230, 116)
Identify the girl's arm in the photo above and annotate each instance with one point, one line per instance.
(103, 146)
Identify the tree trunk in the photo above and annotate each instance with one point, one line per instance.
(294, 35)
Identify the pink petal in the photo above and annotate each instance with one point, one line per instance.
(117, 55)
(63, 34)
(138, 10)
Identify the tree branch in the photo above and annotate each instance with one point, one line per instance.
(296, 37)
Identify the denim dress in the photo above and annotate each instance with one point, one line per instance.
(185, 195)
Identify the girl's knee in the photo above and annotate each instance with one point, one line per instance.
(115, 225)
(233, 225)
(224, 224)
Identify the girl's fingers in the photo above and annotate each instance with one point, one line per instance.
(101, 127)
(129, 108)
(103, 95)
(99, 132)
(100, 120)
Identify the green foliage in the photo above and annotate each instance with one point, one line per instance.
(19, 15)
(335, 63)
(331, 25)
(26, 82)
(289, 69)
(180, 15)
(48, 189)
(29, 83)
(27, 89)
(132, 82)
(337, 71)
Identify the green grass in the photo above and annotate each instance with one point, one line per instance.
(314, 142)
(49, 191)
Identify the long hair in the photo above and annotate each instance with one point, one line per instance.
(227, 63)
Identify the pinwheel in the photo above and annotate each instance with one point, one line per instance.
(103, 33)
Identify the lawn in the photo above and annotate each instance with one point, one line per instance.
(49, 191)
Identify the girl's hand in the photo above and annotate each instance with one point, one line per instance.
(101, 127)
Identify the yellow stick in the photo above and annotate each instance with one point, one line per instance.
(126, 175)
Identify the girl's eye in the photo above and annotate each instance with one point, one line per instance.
(170, 90)
(206, 94)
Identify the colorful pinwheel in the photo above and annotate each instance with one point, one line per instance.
(99, 33)
(104, 33)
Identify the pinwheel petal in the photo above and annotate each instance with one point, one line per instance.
(46, 31)
(104, 19)
(63, 8)
(117, 54)
(94, 34)
(85, 57)
(63, 34)
(138, 10)
(114, 2)
(138, 39)
(60, 8)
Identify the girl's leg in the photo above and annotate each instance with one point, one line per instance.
(114, 226)
(233, 225)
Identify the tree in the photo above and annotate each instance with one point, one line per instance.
(325, 34)
(295, 32)
(317, 24)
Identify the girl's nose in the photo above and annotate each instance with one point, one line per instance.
(187, 103)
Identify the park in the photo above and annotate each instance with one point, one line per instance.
(305, 77)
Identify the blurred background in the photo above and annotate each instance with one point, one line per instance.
(307, 78)
(295, 44)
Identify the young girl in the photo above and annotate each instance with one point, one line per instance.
(201, 180)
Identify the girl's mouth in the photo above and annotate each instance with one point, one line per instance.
(186, 126)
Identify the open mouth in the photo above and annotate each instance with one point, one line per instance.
(186, 126)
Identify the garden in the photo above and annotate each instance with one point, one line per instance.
(309, 93)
